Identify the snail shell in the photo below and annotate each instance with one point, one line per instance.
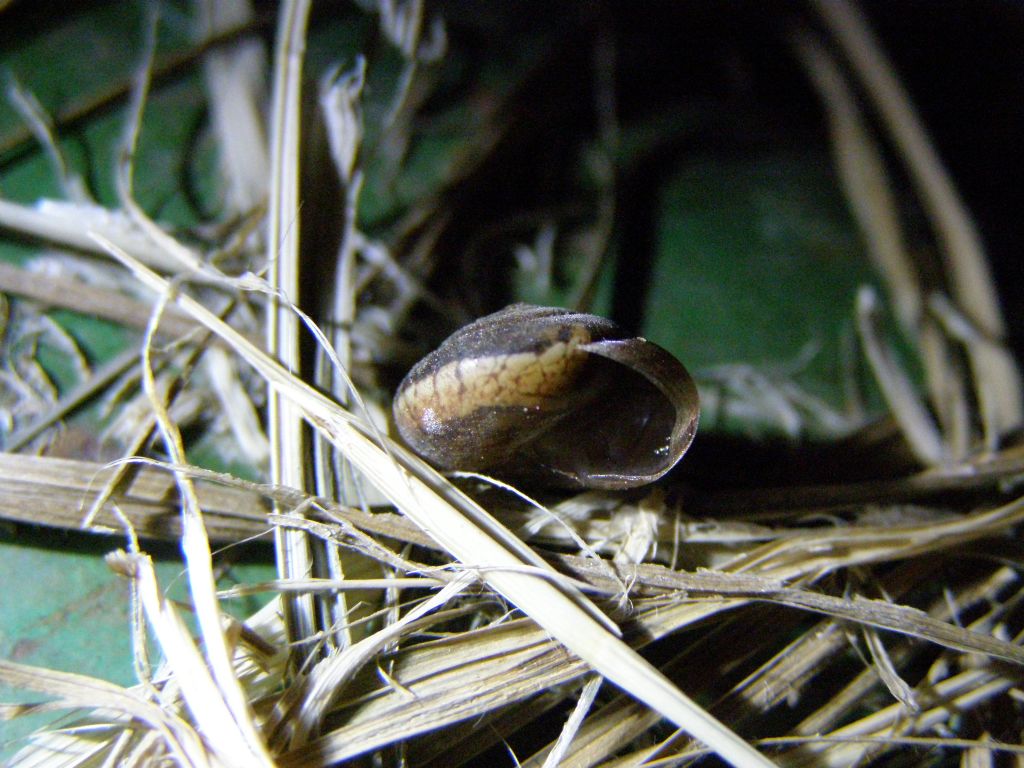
(545, 394)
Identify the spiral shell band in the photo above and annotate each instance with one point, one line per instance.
(462, 387)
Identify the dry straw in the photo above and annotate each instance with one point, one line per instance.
(474, 626)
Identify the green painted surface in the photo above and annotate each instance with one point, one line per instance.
(62, 608)
(757, 259)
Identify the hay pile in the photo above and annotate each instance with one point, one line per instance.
(868, 604)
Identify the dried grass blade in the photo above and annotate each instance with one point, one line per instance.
(62, 224)
(284, 420)
(883, 728)
(80, 691)
(915, 421)
(997, 376)
(305, 710)
(235, 81)
(862, 173)
(560, 748)
(905, 620)
(51, 491)
(239, 724)
(231, 738)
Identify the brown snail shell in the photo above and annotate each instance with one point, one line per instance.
(563, 398)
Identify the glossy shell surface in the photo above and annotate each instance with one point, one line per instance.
(552, 396)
